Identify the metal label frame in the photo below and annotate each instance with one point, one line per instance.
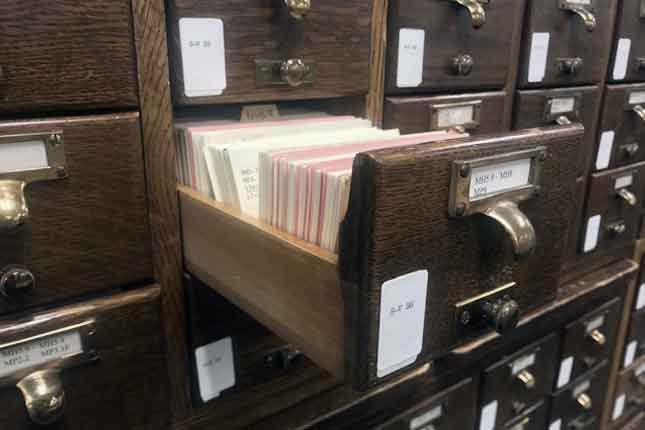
(472, 125)
(614, 178)
(567, 4)
(55, 149)
(628, 105)
(550, 117)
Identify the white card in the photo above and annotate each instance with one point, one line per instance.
(458, 115)
(21, 156)
(630, 353)
(538, 56)
(489, 416)
(604, 149)
(522, 363)
(637, 98)
(623, 181)
(215, 368)
(640, 299)
(619, 407)
(203, 56)
(426, 417)
(622, 58)
(566, 367)
(500, 177)
(401, 323)
(592, 233)
(409, 71)
(556, 425)
(562, 105)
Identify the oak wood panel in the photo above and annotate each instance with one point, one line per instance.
(125, 388)
(629, 25)
(335, 36)
(90, 230)
(449, 32)
(67, 55)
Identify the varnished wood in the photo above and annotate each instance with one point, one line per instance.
(630, 25)
(377, 62)
(90, 230)
(66, 55)
(627, 384)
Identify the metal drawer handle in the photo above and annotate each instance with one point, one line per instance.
(570, 66)
(476, 10)
(628, 196)
(294, 72)
(562, 120)
(617, 228)
(44, 396)
(527, 379)
(598, 337)
(516, 224)
(462, 64)
(13, 205)
(640, 111)
(630, 149)
(587, 16)
(584, 401)
(298, 8)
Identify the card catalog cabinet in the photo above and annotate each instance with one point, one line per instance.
(629, 396)
(635, 341)
(441, 45)
(267, 50)
(106, 370)
(628, 54)
(459, 274)
(565, 41)
(66, 55)
(535, 418)
(479, 113)
(74, 216)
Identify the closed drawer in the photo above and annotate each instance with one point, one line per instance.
(451, 409)
(588, 341)
(612, 211)
(535, 418)
(565, 42)
(635, 342)
(247, 43)
(477, 113)
(579, 406)
(628, 51)
(515, 384)
(622, 129)
(106, 367)
(86, 227)
(68, 55)
(630, 394)
(538, 108)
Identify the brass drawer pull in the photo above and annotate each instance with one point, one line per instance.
(294, 72)
(630, 149)
(628, 196)
(298, 8)
(13, 206)
(570, 66)
(640, 111)
(44, 396)
(476, 10)
(462, 64)
(584, 401)
(587, 16)
(15, 280)
(616, 229)
(527, 379)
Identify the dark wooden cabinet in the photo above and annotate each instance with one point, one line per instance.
(437, 45)
(66, 55)
(635, 341)
(535, 418)
(628, 54)
(629, 398)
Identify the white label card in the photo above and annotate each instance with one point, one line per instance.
(619, 407)
(489, 416)
(622, 58)
(401, 323)
(580, 2)
(561, 105)
(566, 367)
(630, 353)
(595, 323)
(604, 149)
(556, 425)
(592, 233)
(215, 368)
(522, 363)
(426, 417)
(637, 98)
(23, 156)
(409, 71)
(624, 181)
(497, 178)
(454, 116)
(40, 351)
(538, 56)
(203, 56)
(581, 388)
(640, 300)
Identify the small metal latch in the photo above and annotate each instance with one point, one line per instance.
(586, 14)
(294, 72)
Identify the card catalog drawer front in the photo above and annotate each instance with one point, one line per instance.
(612, 210)
(538, 108)
(476, 113)
(635, 342)
(629, 396)
(97, 364)
(622, 129)
(451, 409)
(565, 42)
(628, 50)
(440, 45)
(70, 55)
(268, 50)
(587, 342)
(575, 223)
(518, 382)
(535, 418)
(74, 196)
(579, 405)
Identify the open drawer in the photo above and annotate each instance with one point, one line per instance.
(423, 265)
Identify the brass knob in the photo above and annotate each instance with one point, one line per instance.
(628, 196)
(462, 64)
(15, 280)
(13, 206)
(570, 66)
(640, 111)
(617, 228)
(522, 425)
(298, 8)
(294, 72)
(44, 396)
(502, 315)
(476, 10)
(527, 379)
(598, 338)
(630, 150)
(587, 16)
(585, 401)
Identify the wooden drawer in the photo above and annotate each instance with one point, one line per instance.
(579, 406)
(66, 55)
(587, 342)
(457, 266)
(574, 233)
(535, 418)
(539, 108)
(612, 211)
(435, 45)
(621, 129)
(558, 48)
(107, 367)
(87, 226)
(258, 37)
(628, 50)
(515, 384)
(477, 113)
(635, 342)
(630, 394)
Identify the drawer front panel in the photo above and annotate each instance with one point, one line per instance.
(520, 381)
(588, 341)
(68, 55)
(332, 39)
(558, 48)
(635, 342)
(476, 113)
(539, 108)
(447, 52)
(630, 394)
(628, 50)
(89, 229)
(122, 385)
(534, 419)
